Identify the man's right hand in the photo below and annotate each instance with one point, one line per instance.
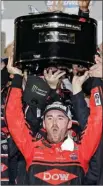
(11, 69)
(53, 79)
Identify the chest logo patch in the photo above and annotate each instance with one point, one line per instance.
(55, 176)
(73, 156)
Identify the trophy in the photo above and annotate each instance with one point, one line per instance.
(54, 39)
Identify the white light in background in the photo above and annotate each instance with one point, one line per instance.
(7, 26)
(2, 7)
(99, 32)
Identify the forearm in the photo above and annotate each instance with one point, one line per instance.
(95, 121)
(15, 118)
(80, 108)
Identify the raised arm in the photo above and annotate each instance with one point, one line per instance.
(80, 109)
(92, 134)
(14, 114)
(79, 104)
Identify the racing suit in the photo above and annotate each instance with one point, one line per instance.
(11, 164)
(47, 163)
(95, 172)
(4, 142)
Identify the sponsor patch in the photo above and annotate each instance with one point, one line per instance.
(73, 156)
(97, 99)
(5, 147)
(55, 176)
(38, 90)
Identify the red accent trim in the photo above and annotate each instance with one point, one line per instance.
(38, 163)
(82, 20)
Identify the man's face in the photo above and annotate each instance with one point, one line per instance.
(56, 125)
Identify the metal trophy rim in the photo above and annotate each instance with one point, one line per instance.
(60, 61)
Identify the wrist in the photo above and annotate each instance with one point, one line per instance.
(17, 81)
(83, 12)
(20, 74)
(52, 87)
(76, 90)
(84, 9)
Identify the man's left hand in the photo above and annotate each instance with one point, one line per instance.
(78, 82)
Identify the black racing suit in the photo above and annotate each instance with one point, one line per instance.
(95, 173)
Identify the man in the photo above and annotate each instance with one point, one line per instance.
(8, 147)
(97, 71)
(55, 159)
(4, 130)
(95, 173)
(10, 155)
(58, 88)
